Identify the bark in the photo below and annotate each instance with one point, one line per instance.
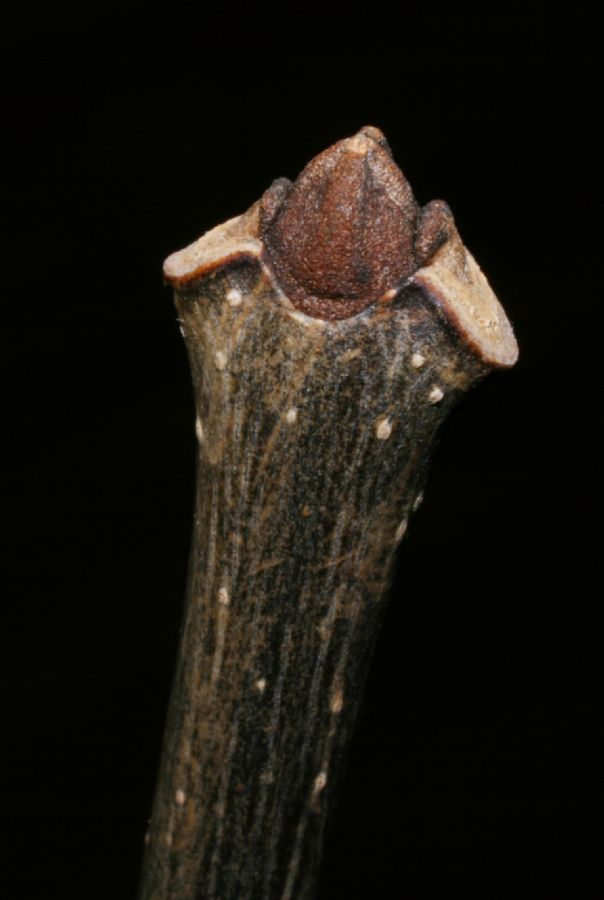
(313, 441)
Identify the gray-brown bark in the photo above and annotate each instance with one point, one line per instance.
(314, 437)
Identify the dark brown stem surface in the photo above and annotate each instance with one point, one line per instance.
(314, 438)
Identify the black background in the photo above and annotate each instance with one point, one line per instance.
(130, 130)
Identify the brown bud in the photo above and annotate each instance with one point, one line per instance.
(344, 233)
(434, 228)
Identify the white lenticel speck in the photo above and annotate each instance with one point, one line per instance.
(383, 429)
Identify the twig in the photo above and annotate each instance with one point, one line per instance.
(330, 331)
